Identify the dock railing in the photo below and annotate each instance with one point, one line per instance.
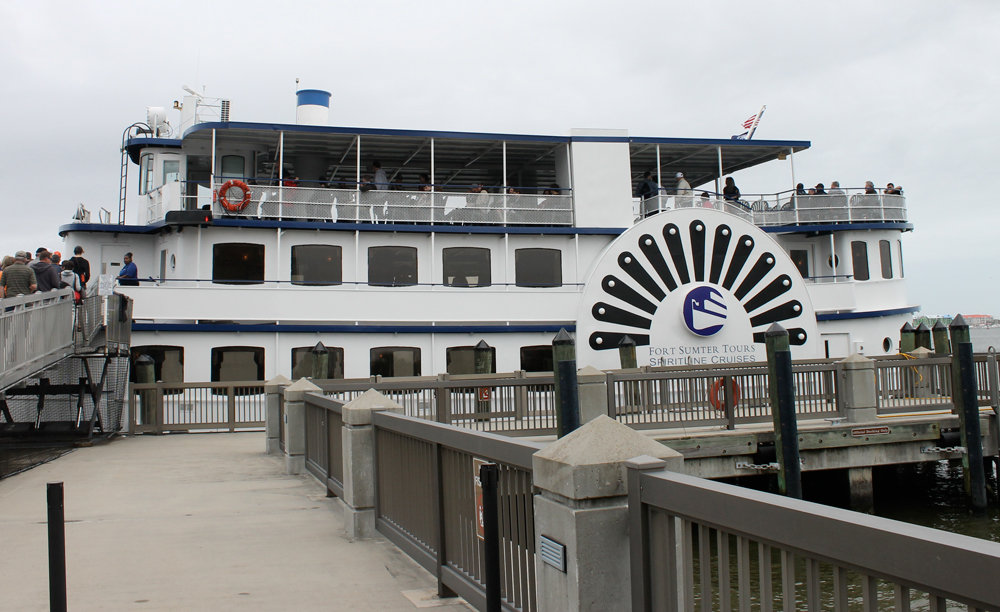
(699, 544)
(36, 331)
(206, 406)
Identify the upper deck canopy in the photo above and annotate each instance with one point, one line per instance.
(465, 158)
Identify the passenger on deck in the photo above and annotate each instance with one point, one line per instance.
(800, 189)
(129, 276)
(870, 188)
(683, 190)
(381, 180)
(731, 192)
(46, 273)
(835, 188)
(18, 278)
(706, 200)
(820, 189)
(552, 190)
(69, 278)
(891, 189)
(648, 187)
(425, 183)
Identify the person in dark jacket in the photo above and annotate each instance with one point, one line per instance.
(129, 276)
(46, 274)
(648, 187)
(731, 192)
(81, 266)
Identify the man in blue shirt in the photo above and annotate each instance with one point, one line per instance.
(130, 273)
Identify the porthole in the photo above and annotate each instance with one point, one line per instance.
(832, 261)
(173, 262)
(887, 345)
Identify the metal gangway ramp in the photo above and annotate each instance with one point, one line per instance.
(63, 365)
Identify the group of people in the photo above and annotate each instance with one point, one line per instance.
(23, 274)
(835, 189)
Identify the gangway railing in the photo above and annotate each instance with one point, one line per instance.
(36, 331)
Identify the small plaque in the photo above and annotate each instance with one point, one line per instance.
(478, 488)
(483, 394)
(553, 553)
(862, 432)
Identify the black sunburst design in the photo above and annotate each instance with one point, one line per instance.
(726, 261)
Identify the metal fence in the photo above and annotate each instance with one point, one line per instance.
(324, 442)
(383, 206)
(425, 503)
(699, 544)
(35, 331)
(913, 385)
(517, 403)
(215, 406)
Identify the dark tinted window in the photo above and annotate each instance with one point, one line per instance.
(462, 360)
(168, 362)
(859, 255)
(466, 267)
(389, 361)
(237, 363)
(536, 358)
(885, 254)
(237, 263)
(801, 260)
(316, 264)
(392, 266)
(538, 267)
(302, 362)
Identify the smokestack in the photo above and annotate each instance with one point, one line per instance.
(313, 107)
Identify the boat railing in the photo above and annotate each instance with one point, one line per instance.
(392, 206)
(36, 331)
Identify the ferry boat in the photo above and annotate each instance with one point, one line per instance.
(400, 250)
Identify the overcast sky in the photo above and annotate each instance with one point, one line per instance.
(886, 91)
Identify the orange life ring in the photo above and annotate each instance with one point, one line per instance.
(716, 395)
(239, 206)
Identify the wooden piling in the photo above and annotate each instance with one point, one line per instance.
(781, 387)
(922, 337)
(563, 349)
(941, 344)
(906, 340)
(320, 362)
(971, 434)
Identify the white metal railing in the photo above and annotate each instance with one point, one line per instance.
(383, 206)
(790, 208)
(35, 331)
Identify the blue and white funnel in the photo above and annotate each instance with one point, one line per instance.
(313, 107)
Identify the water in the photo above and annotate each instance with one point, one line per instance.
(983, 339)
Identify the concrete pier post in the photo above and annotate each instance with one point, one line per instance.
(859, 401)
(593, 394)
(582, 505)
(906, 340)
(941, 344)
(295, 425)
(359, 462)
(275, 391)
(782, 393)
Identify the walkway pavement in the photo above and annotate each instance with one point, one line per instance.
(196, 522)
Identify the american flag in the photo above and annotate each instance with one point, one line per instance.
(749, 123)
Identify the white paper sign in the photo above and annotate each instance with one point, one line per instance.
(106, 285)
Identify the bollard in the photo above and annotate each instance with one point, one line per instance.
(483, 357)
(922, 337)
(320, 362)
(145, 372)
(782, 392)
(626, 353)
(959, 333)
(975, 474)
(489, 479)
(562, 350)
(569, 398)
(941, 344)
(906, 342)
(57, 547)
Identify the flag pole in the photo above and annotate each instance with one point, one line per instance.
(756, 120)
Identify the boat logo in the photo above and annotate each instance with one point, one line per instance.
(704, 311)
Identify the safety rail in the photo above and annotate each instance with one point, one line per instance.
(324, 441)
(517, 403)
(385, 206)
(425, 503)
(37, 330)
(910, 385)
(176, 406)
(689, 539)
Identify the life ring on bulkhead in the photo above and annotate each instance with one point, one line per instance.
(230, 206)
(716, 395)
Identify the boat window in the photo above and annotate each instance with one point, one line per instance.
(171, 171)
(232, 166)
(538, 267)
(168, 362)
(885, 252)
(237, 363)
(237, 263)
(536, 358)
(145, 174)
(466, 267)
(462, 359)
(317, 264)
(392, 266)
(389, 361)
(302, 362)
(859, 255)
(800, 257)
(900, 244)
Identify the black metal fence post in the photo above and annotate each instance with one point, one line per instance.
(975, 474)
(781, 387)
(489, 476)
(57, 547)
(562, 349)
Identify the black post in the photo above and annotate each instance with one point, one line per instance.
(483, 357)
(489, 477)
(320, 361)
(626, 353)
(975, 475)
(57, 547)
(941, 344)
(562, 350)
(781, 387)
(569, 398)
(906, 340)
(922, 336)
